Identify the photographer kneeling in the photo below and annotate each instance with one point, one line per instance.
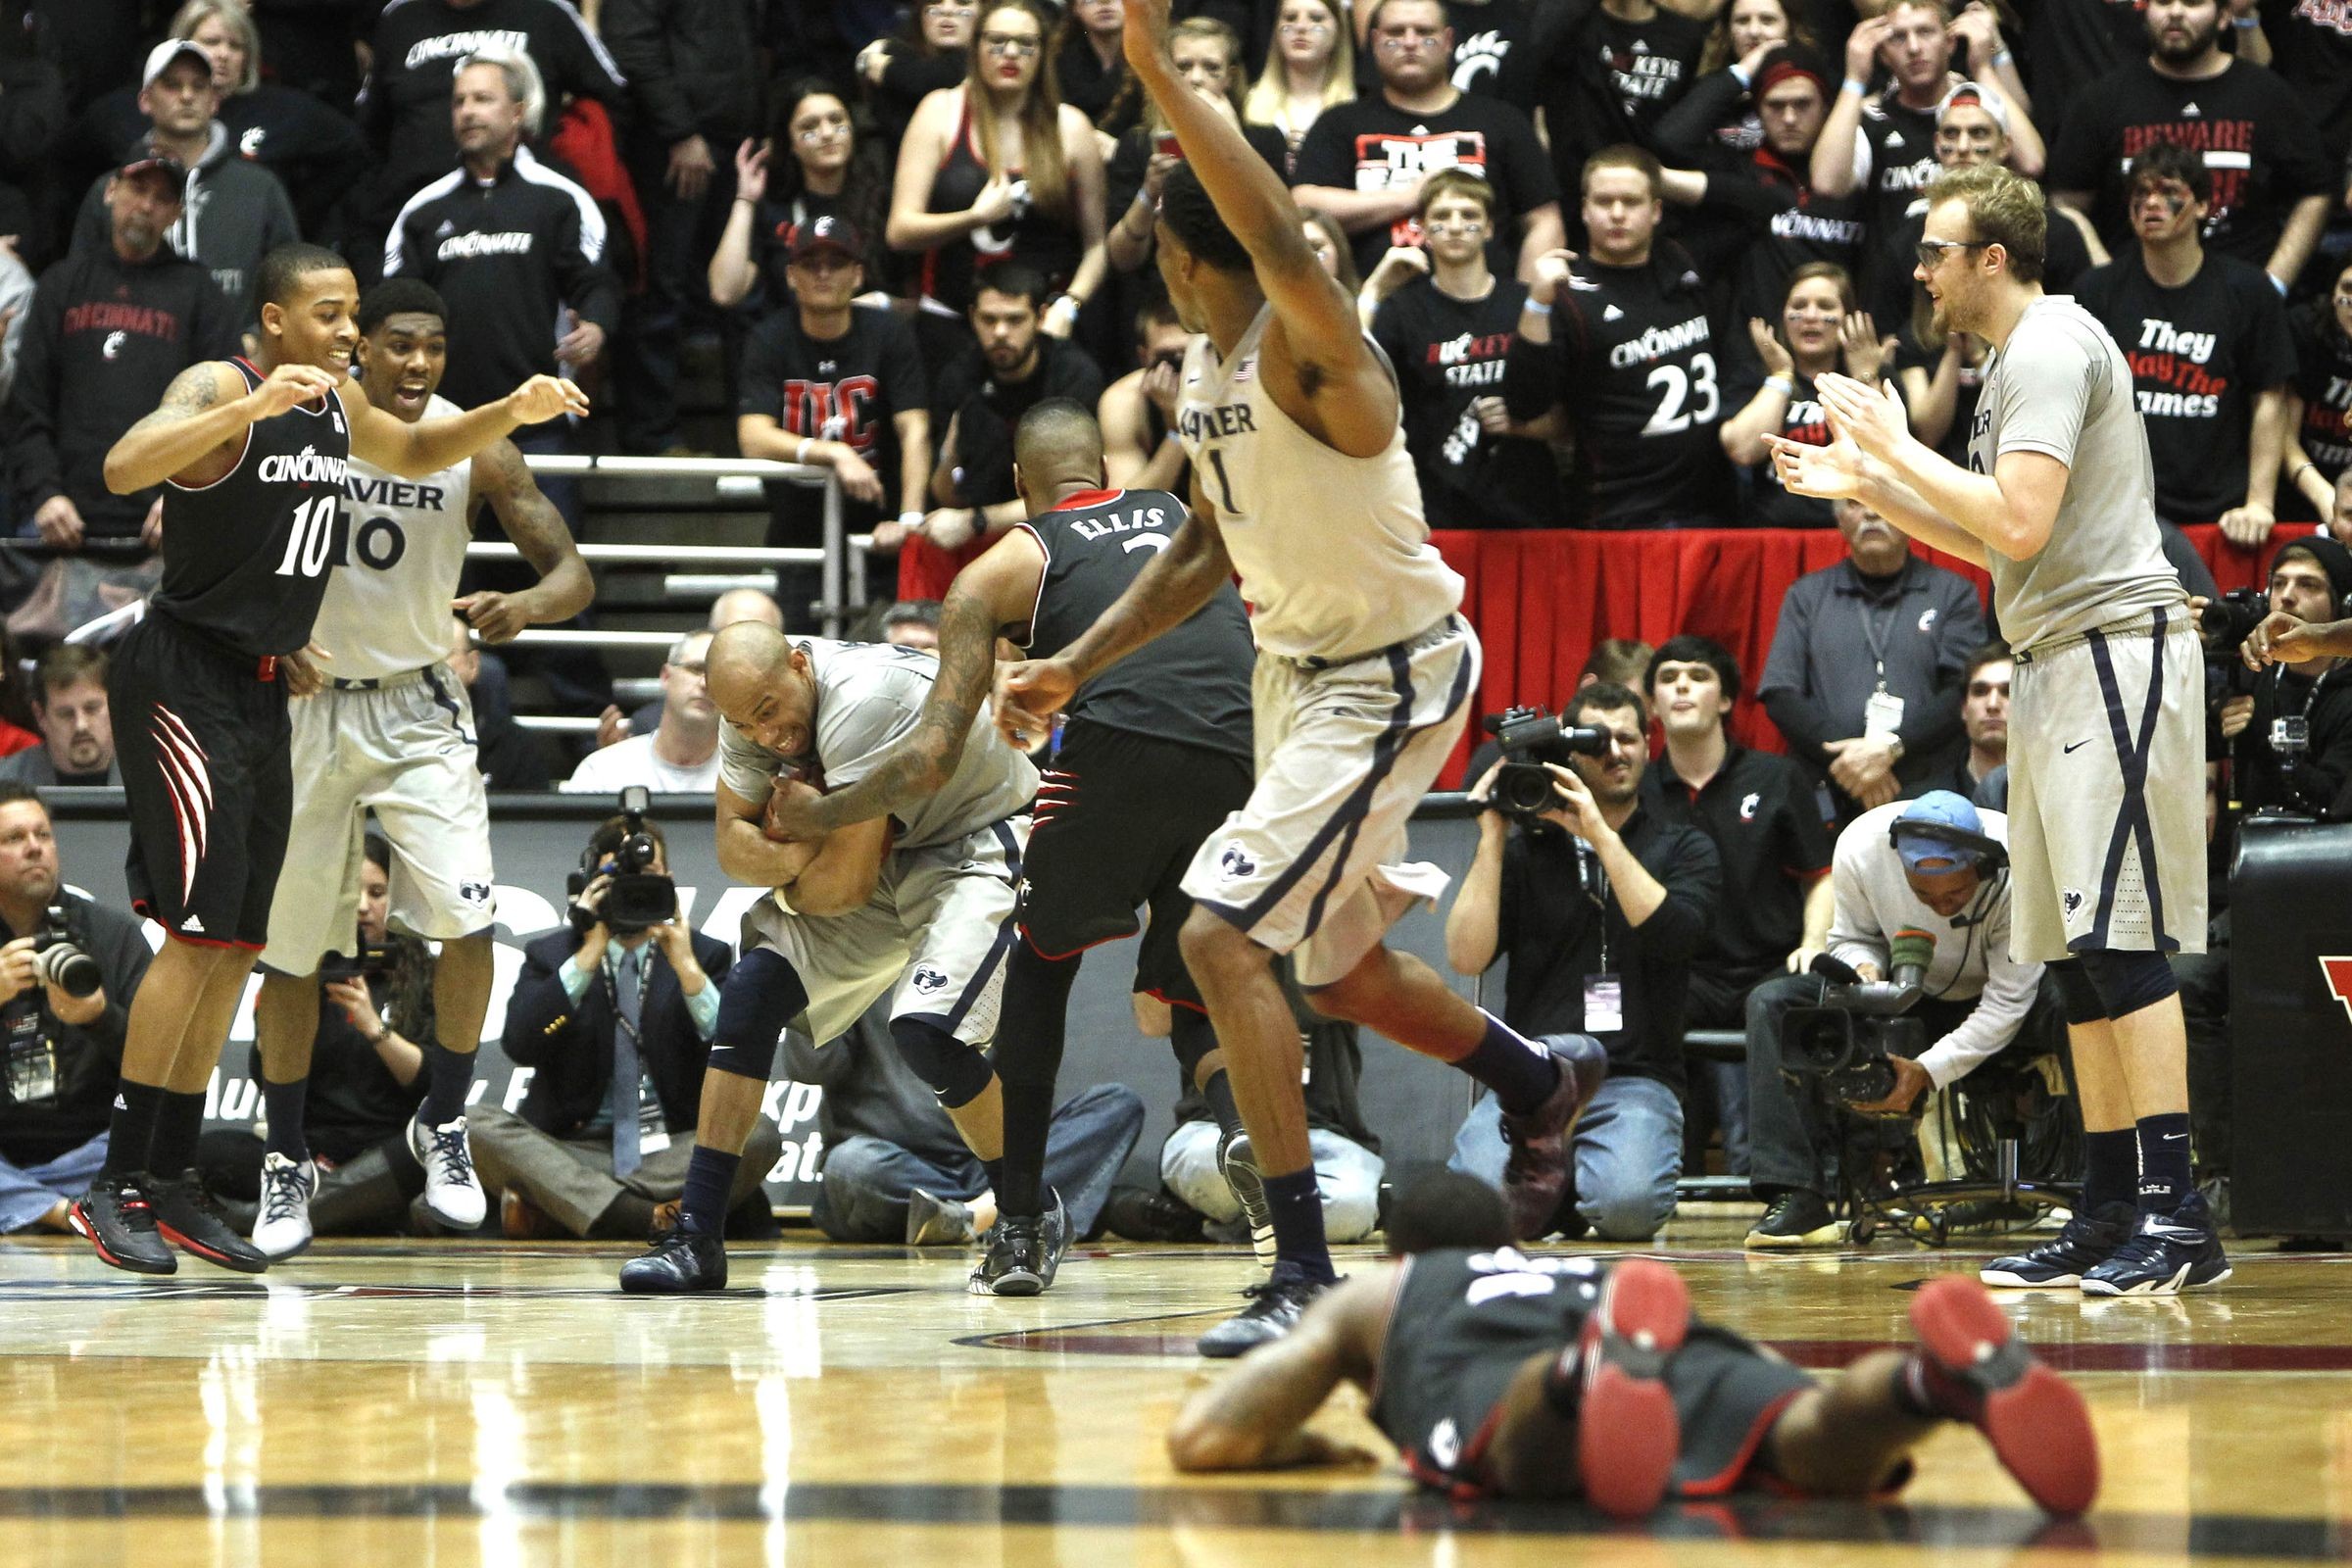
(67, 967)
(1921, 891)
(616, 1014)
(1599, 907)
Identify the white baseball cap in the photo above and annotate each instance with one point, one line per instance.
(160, 58)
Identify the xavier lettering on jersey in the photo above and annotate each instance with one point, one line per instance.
(1226, 419)
(453, 45)
(1136, 520)
(832, 410)
(389, 491)
(107, 316)
(1384, 160)
(2174, 361)
(1472, 359)
(2228, 146)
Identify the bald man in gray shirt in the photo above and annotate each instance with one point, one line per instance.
(2106, 710)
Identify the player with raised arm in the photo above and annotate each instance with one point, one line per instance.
(255, 454)
(2106, 713)
(393, 734)
(1365, 671)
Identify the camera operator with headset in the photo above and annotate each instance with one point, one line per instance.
(616, 1014)
(67, 967)
(1599, 907)
(1921, 891)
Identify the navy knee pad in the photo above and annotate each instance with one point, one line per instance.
(2077, 997)
(2129, 981)
(757, 1003)
(956, 1072)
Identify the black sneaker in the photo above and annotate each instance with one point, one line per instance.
(1156, 1215)
(1274, 1310)
(682, 1262)
(114, 1216)
(2059, 1263)
(2167, 1255)
(1237, 1161)
(1796, 1218)
(190, 1220)
(1536, 1175)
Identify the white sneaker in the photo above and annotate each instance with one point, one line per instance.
(283, 1227)
(451, 1190)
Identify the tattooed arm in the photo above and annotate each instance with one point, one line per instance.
(998, 591)
(195, 434)
(531, 521)
(1255, 1417)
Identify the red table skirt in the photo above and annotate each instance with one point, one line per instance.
(1542, 598)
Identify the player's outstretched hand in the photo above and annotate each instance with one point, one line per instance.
(546, 397)
(1870, 416)
(305, 670)
(1832, 473)
(1028, 696)
(289, 387)
(2279, 639)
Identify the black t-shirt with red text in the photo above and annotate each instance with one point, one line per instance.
(1371, 145)
(2258, 142)
(2324, 382)
(1768, 505)
(1632, 357)
(849, 389)
(1449, 352)
(2200, 355)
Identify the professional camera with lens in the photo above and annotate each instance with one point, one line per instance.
(60, 961)
(1843, 1043)
(2226, 623)
(368, 962)
(1530, 739)
(638, 898)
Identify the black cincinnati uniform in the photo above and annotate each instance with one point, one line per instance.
(200, 718)
(1461, 1325)
(1156, 753)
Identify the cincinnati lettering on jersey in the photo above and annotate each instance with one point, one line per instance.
(1655, 343)
(2228, 146)
(450, 45)
(1472, 359)
(107, 316)
(2169, 374)
(832, 410)
(1917, 175)
(1138, 519)
(391, 492)
(303, 468)
(1226, 419)
(1798, 223)
(468, 247)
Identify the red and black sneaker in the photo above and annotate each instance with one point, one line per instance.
(2036, 1421)
(1535, 1176)
(1628, 1435)
(114, 1216)
(190, 1220)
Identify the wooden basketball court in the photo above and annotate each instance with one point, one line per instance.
(439, 1404)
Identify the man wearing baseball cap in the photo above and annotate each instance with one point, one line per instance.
(233, 212)
(835, 385)
(1935, 867)
(108, 328)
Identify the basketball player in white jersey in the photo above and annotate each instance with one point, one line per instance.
(1365, 674)
(393, 732)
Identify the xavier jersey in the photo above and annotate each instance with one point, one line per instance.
(245, 558)
(387, 610)
(869, 695)
(1333, 553)
(1191, 684)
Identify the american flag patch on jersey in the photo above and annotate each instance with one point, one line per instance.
(1244, 370)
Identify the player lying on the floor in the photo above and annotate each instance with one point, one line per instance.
(1495, 1373)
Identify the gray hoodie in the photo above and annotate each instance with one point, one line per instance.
(233, 213)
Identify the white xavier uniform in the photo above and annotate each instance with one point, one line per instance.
(1365, 671)
(393, 731)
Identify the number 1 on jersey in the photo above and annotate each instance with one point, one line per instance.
(1225, 500)
(308, 536)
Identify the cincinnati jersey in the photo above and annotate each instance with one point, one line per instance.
(1332, 550)
(869, 695)
(1191, 684)
(245, 558)
(387, 610)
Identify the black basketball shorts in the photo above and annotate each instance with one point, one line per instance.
(205, 746)
(1120, 816)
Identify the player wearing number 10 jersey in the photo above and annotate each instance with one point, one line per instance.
(256, 454)
(393, 734)
(1621, 338)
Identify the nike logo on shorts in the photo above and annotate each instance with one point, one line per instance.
(2071, 749)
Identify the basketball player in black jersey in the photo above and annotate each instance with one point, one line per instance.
(1498, 1374)
(1155, 754)
(255, 454)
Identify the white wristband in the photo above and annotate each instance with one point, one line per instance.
(1784, 385)
(1534, 308)
(1857, 88)
(802, 455)
(911, 519)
